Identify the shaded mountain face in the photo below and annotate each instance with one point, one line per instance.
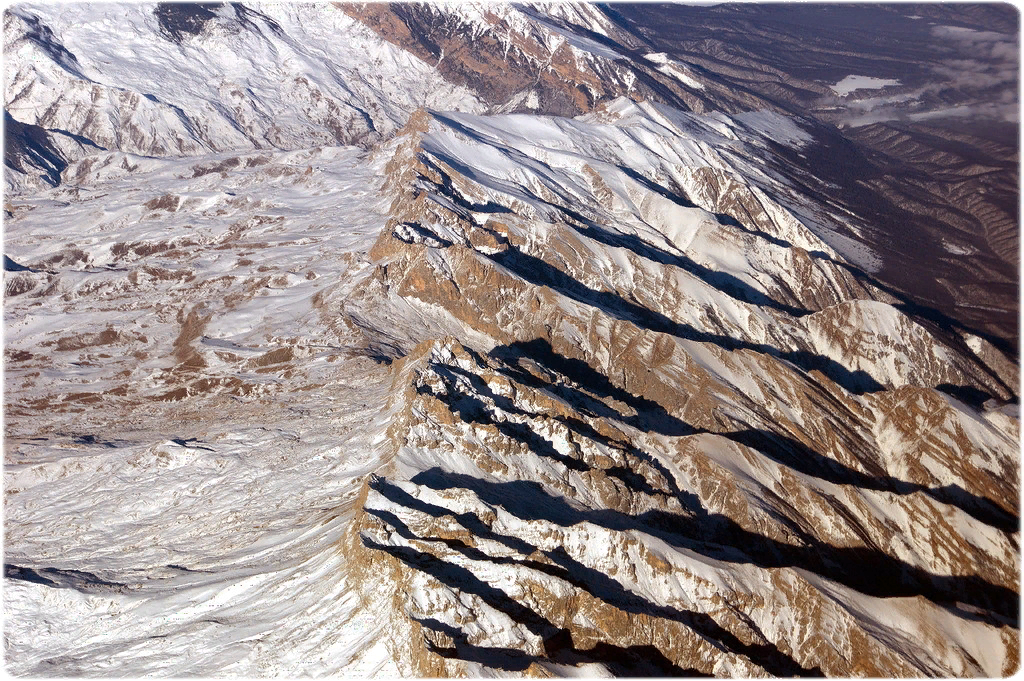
(934, 128)
(27, 148)
(397, 339)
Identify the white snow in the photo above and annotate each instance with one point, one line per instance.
(957, 249)
(319, 81)
(213, 519)
(852, 83)
(224, 492)
(676, 69)
(776, 127)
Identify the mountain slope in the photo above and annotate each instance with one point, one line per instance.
(545, 352)
(184, 80)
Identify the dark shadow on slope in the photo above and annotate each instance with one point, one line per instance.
(730, 285)
(182, 442)
(471, 522)
(246, 16)
(42, 36)
(458, 577)
(471, 409)
(93, 440)
(650, 416)
(84, 141)
(557, 641)
(967, 394)
(448, 190)
(936, 321)
(178, 20)
(599, 585)
(11, 266)
(28, 147)
(628, 662)
(980, 508)
(726, 219)
(799, 457)
(866, 570)
(473, 134)
(78, 580)
(27, 575)
(423, 234)
(680, 199)
(468, 551)
(726, 283)
(676, 196)
(539, 273)
(571, 28)
(505, 659)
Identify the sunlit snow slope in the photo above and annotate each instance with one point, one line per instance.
(327, 356)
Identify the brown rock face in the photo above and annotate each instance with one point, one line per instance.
(608, 481)
(516, 63)
(499, 64)
(544, 527)
(596, 356)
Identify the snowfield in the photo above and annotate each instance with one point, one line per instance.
(150, 529)
(853, 83)
(319, 364)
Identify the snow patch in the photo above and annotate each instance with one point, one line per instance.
(852, 83)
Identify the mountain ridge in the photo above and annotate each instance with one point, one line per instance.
(596, 365)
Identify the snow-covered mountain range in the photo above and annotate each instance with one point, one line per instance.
(483, 340)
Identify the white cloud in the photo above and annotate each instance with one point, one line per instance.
(984, 66)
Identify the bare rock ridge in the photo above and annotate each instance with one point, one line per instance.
(494, 340)
(622, 415)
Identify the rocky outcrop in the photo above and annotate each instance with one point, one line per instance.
(607, 480)
(582, 364)
(531, 525)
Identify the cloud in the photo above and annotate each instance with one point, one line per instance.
(979, 79)
(990, 58)
(974, 74)
(969, 35)
(871, 103)
(1003, 112)
(858, 120)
